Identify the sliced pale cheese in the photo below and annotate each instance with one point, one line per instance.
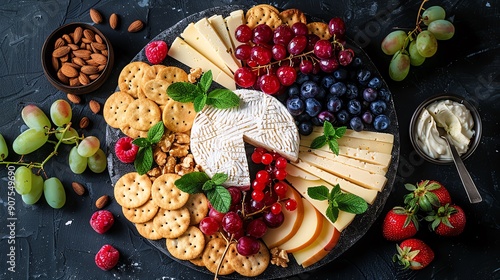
(295, 172)
(184, 53)
(199, 43)
(218, 136)
(308, 231)
(218, 23)
(325, 242)
(363, 144)
(370, 167)
(368, 135)
(301, 185)
(235, 19)
(215, 42)
(359, 154)
(274, 237)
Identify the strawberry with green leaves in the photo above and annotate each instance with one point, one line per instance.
(427, 194)
(448, 220)
(413, 254)
(399, 224)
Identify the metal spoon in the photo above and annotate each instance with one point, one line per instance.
(470, 187)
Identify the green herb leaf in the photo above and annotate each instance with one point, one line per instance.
(340, 131)
(205, 81)
(199, 102)
(141, 142)
(351, 203)
(144, 160)
(220, 198)
(334, 192)
(183, 92)
(208, 185)
(318, 142)
(223, 99)
(332, 213)
(155, 133)
(318, 193)
(219, 178)
(334, 146)
(328, 129)
(192, 182)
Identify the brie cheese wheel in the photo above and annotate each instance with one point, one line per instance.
(218, 136)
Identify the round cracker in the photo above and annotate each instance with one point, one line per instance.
(115, 108)
(156, 90)
(142, 213)
(132, 190)
(157, 68)
(249, 266)
(165, 194)
(133, 76)
(131, 132)
(263, 14)
(291, 16)
(172, 74)
(187, 246)
(197, 205)
(320, 29)
(212, 255)
(148, 231)
(143, 114)
(171, 223)
(177, 116)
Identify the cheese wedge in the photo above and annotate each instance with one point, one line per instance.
(367, 135)
(235, 19)
(184, 53)
(218, 23)
(357, 143)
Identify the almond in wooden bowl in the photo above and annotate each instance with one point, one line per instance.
(77, 58)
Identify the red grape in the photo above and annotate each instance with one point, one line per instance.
(235, 195)
(283, 34)
(209, 225)
(346, 56)
(274, 220)
(269, 83)
(336, 26)
(242, 52)
(262, 34)
(311, 41)
(300, 28)
(247, 246)
(286, 75)
(256, 205)
(244, 77)
(297, 45)
(243, 33)
(270, 198)
(306, 66)
(323, 49)
(279, 52)
(328, 65)
(261, 55)
(216, 215)
(232, 222)
(256, 228)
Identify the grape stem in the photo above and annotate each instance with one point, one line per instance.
(417, 28)
(228, 243)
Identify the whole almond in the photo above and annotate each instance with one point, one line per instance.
(135, 26)
(89, 34)
(78, 188)
(61, 51)
(78, 61)
(84, 122)
(74, 82)
(55, 63)
(77, 35)
(59, 43)
(96, 16)
(99, 58)
(67, 38)
(84, 54)
(73, 98)
(73, 47)
(113, 21)
(89, 69)
(62, 78)
(83, 78)
(95, 107)
(99, 46)
(93, 77)
(102, 201)
(98, 38)
(68, 71)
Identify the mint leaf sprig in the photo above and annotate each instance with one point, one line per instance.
(200, 96)
(144, 158)
(337, 201)
(197, 182)
(330, 136)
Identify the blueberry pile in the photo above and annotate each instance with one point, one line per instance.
(350, 96)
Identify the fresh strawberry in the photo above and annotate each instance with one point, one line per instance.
(449, 220)
(156, 51)
(427, 195)
(413, 254)
(125, 150)
(107, 257)
(399, 223)
(101, 221)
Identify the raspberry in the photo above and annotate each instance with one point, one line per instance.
(101, 221)
(156, 51)
(107, 257)
(126, 151)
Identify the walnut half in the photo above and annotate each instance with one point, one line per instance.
(279, 257)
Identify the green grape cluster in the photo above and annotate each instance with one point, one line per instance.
(86, 152)
(413, 47)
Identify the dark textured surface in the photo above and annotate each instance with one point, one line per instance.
(59, 244)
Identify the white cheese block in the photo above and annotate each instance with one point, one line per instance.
(357, 143)
(218, 136)
(199, 43)
(357, 153)
(215, 42)
(218, 23)
(368, 135)
(184, 53)
(235, 19)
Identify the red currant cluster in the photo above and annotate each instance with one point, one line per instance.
(273, 57)
(249, 217)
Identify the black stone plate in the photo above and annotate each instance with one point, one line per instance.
(349, 236)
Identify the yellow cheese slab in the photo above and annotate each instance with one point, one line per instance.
(367, 135)
(357, 143)
(359, 154)
(218, 23)
(235, 19)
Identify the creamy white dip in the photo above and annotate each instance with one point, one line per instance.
(455, 118)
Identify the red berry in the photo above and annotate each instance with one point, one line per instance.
(280, 188)
(258, 185)
(448, 221)
(399, 224)
(257, 195)
(125, 150)
(280, 174)
(267, 159)
(291, 204)
(428, 195)
(262, 176)
(276, 208)
(156, 51)
(107, 257)
(235, 195)
(281, 162)
(101, 221)
(414, 254)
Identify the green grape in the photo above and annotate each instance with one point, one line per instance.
(415, 58)
(4, 150)
(88, 146)
(97, 162)
(34, 117)
(36, 190)
(442, 29)
(433, 13)
(22, 180)
(70, 133)
(77, 163)
(426, 44)
(399, 66)
(29, 141)
(393, 42)
(60, 112)
(54, 193)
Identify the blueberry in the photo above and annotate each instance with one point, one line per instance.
(356, 124)
(309, 89)
(381, 122)
(326, 116)
(384, 94)
(375, 83)
(364, 76)
(369, 94)
(301, 78)
(356, 62)
(352, 91)
(354, 107)
(343, 117)
(340, 74)
(334, 104)
(316, 121)
(293, 90)
(327, 81)
(302, 117)
(295, 105)
(367, 117)
(338, 89)
(305, 128)
(313, 107)
(315, 78)
(321, 94)
(378, 107)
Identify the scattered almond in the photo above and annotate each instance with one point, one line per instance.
(95, 107)
(84, 122)
(78, 188)
(102, 201)
(135, 26)
(73, 98)
(114, 21)
(77, 35)
(96, 16)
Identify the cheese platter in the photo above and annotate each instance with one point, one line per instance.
(370, 157)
